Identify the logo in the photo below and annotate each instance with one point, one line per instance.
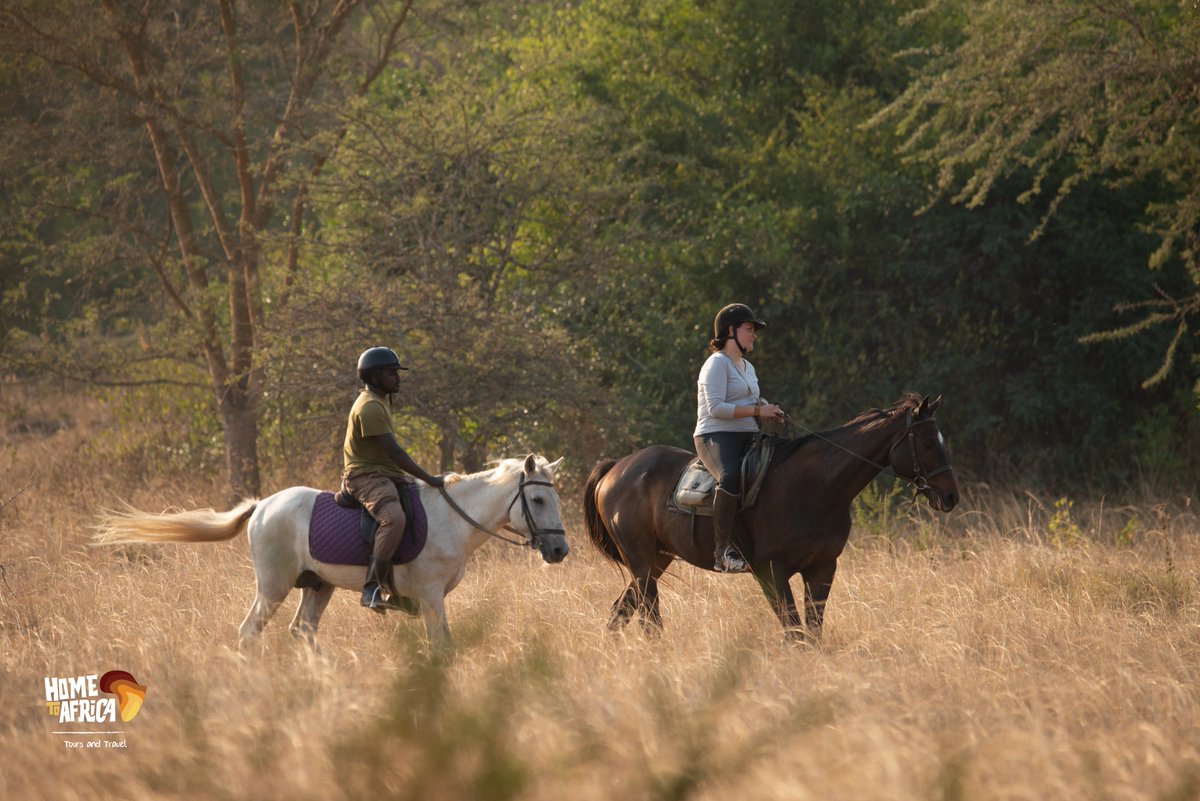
(88, 699)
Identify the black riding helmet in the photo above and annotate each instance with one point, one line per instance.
(377, 358)
(735, 314)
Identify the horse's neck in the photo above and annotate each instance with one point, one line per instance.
(485, 501)
(867, 447)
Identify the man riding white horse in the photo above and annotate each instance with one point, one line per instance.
(374, 463)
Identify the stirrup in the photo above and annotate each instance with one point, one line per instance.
(372, 598)
(730, 562)
(394, 602)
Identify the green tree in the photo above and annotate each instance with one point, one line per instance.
(1066, 92)
(455, 219)
(759, 179)
(752, 183)
(163, 154)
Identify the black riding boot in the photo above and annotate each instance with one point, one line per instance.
(726, 558)
(377, 583)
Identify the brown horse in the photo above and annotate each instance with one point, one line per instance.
(799, 523)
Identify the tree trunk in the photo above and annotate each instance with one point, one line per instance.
(216, 128)
(239, 419)
(447, 444)
(473, 456)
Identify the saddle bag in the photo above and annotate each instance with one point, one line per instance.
(693, 494)
(695, 486)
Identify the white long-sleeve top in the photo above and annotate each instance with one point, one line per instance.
(721, 388)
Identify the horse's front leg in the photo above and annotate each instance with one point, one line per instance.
(433, 612)
(641, 594)
(776, 585)
(817, 583)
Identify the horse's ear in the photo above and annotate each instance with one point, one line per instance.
(930, 406)
(553, 466)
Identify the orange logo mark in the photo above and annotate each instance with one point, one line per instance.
(130, 694)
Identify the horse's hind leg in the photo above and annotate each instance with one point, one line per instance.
(651, 615)
(625, 607)
(256, 619)
(641, 595)
(272, 589)
(308, 615)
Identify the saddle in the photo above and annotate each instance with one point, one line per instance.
(332, 536)
(341, 535)
(693, 494)
(368, 526)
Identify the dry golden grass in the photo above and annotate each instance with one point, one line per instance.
(1011, 650)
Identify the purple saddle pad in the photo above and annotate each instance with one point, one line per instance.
(333, 536)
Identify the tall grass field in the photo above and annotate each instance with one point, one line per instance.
(1022, 647)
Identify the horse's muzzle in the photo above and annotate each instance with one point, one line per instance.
(554, 548)
(941, 501)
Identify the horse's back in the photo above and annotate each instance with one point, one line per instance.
(289, 502)
(640, 478)
(654, 461)
(281, 521)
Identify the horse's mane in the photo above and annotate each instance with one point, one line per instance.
(502, 470)
(873, 418)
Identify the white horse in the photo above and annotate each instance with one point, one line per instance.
(516, 494)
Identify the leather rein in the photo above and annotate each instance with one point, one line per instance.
(920, 477)
(535, 532)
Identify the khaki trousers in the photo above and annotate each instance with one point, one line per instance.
(378, 493)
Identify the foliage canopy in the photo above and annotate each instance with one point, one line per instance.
(542, 206)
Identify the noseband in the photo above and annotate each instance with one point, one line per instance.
(920, 477)
(535, 532)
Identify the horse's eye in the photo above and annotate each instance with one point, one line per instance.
(539, 501)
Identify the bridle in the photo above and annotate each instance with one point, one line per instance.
(920, 477)
(535, 532)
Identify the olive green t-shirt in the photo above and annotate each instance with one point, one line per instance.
(369, 417)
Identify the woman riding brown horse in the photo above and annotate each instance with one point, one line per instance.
(799, 523)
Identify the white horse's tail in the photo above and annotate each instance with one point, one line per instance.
(200, 525)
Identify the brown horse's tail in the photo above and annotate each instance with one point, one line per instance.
(601, 537)
(201, 525)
